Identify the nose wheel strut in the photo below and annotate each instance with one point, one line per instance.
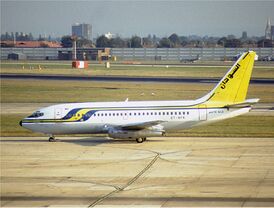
(52, 139)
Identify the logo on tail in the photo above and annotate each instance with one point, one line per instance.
(230, 76)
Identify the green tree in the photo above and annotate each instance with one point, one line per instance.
(222, 41)
(117, 43)
(174, 40)
(184, 41)
(135, 42)
(148, 42)
(102, 41)
(66, 41)
(233, 43)
(164, 43)
(84, 43)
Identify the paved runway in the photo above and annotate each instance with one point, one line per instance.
(124, 78)
(162, 172)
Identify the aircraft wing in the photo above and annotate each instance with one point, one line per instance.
(139, 126)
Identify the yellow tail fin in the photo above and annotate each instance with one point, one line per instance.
(234, 85)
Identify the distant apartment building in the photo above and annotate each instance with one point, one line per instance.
(244, 35)
(268, 30)
(81, 30)
(272, 32)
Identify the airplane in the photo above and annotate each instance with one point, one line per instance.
(137, 120)
(191, 60)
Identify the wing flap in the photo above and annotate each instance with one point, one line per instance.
(141, 125)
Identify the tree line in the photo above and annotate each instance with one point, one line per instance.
(173, 41)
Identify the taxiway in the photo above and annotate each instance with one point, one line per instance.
(162, 172)
(126, 79)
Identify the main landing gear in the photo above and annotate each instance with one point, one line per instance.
(141, 140)
(52, 139)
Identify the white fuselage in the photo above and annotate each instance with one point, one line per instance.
(99, 117)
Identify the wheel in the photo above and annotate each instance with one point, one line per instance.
(52, 139)
(140, 140)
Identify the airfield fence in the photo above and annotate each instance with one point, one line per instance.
(142, 54)
(176, 54)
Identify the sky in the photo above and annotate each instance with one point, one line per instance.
(131, 17)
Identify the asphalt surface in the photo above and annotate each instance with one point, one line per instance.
(161, 172)
(124, 79)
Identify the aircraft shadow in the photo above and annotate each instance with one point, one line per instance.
(95, 141)
(88, 141)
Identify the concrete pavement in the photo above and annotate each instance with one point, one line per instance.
(162, 172)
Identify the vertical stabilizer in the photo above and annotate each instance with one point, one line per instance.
(234, 85)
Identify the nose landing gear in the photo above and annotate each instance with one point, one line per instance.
(52, 139)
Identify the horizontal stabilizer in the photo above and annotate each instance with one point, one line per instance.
(246, 103)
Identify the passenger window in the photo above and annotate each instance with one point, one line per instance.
(167, 113)
(171, 113)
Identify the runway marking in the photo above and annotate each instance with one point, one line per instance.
(127, 184)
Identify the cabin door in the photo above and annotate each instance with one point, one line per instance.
(58, 113)
(202, 112)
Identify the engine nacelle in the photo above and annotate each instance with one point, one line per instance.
(133, 134)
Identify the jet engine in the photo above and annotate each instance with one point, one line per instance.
(134, 134)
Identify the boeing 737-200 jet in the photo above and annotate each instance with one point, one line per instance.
(138, 120)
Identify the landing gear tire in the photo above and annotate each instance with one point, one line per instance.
(52, 139)
(140, 140)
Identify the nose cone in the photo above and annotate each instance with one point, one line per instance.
(20, 123)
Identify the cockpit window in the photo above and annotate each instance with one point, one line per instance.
(36, 114)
